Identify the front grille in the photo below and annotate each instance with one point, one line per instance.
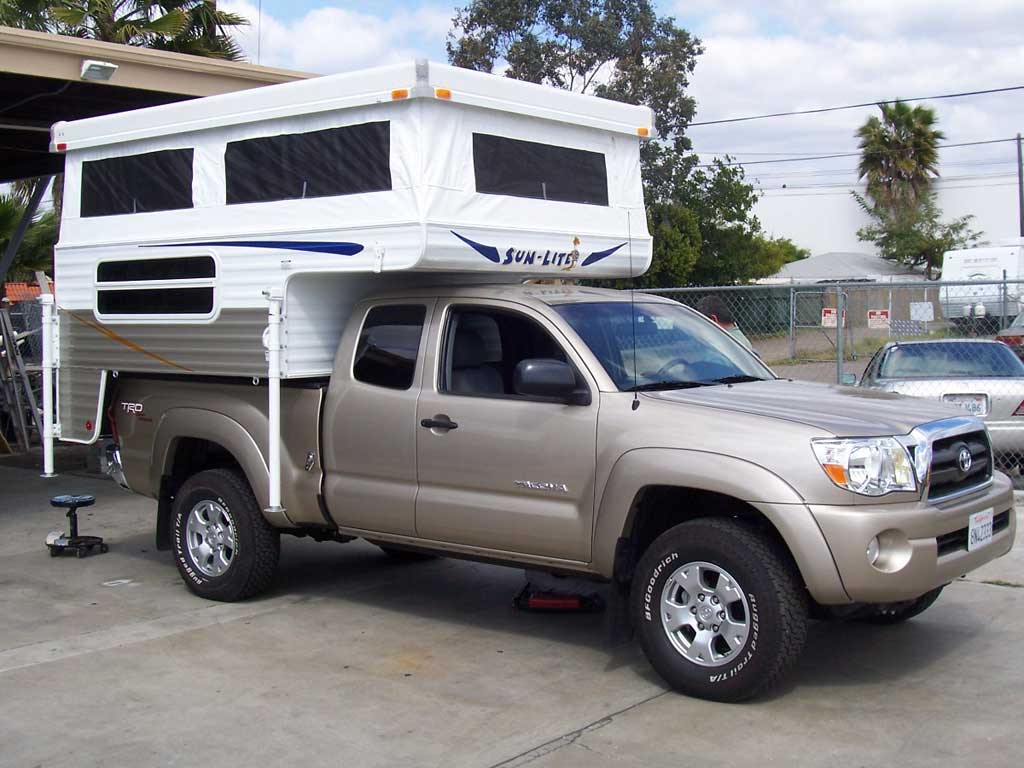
(957, 540)
(947, 476)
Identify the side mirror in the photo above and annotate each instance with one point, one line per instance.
(551, 379)
(848, 379)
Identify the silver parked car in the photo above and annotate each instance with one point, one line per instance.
(983, 377)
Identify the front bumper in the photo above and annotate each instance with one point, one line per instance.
(849, 529)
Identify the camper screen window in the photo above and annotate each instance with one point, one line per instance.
(528, 169)
(336, 161)
(154, 181)
(388, 346)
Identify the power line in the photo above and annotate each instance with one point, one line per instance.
(848, 154)
(784, 192)
(842, 171)
(820, 110)
(938, 180)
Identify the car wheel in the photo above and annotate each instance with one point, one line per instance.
(897, 613)
(718, 609)
(224, 547)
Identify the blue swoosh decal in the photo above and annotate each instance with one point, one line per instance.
(313, 246)
(487, 251)
(598, 255)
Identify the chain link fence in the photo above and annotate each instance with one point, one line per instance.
(958, 342)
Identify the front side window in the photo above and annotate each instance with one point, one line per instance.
(389, 345)
(484, 346)
(153, 181)
(350, 160)
(529, 169)
(660, 346)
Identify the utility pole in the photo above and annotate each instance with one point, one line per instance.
(1020, 185)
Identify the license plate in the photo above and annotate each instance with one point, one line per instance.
(976, 405)
(979, 529)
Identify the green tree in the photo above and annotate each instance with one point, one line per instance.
(206, 31)
(128, 22)
(899, 161)
(26, 14)
(36, 251)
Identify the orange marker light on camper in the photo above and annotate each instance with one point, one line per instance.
(400, 93)
(443, 93)
(643, 132)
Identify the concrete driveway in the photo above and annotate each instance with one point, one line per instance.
(354, 660)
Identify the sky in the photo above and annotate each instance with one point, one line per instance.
(759, 57)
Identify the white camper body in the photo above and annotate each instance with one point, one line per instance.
(183, 225)
(988, 265)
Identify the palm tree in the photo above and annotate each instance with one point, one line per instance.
(129, 22)
(205, 32)
(899, 156)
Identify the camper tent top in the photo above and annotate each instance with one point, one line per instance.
(180, 221)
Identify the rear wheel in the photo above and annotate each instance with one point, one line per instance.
(897, 613)
(719, 611)
(225, 549)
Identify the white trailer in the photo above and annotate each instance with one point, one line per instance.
(231, 235)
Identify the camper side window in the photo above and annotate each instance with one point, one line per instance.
(337, 161)
(138, 289)
(388, 346)
(154, 181)
(528, 169)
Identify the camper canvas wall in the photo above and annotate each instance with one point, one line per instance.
(177, 219)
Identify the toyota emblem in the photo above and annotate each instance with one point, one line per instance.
(965, 460)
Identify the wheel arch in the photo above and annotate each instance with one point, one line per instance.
(651, 490)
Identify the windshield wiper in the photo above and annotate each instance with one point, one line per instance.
(655, 386)
(739, 379)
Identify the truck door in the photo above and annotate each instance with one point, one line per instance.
(498, 470)
(369, 424)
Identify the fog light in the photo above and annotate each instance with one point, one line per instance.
(873, 551)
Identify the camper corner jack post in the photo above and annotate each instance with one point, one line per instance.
(273, 345)
(49, 341)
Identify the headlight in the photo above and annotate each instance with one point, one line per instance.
(871, 466)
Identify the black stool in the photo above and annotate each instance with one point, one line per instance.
(82, 545)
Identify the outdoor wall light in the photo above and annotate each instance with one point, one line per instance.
(97, 71)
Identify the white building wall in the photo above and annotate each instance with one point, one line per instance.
(826, 220)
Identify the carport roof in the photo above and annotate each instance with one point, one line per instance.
(40, 84)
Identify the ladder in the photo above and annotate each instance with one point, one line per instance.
(17, 397)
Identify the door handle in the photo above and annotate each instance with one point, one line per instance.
(439, 422)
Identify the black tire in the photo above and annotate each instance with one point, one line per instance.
(256, 545)
(406, 555)
(897, 613)
(776, 621)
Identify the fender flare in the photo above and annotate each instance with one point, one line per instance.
(180, 423)
(765, 491)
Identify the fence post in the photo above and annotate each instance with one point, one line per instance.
(840, 330)
(1002, 320)
(792, 322)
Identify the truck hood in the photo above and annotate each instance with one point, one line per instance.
(843, 411)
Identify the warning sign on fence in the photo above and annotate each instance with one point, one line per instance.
(828, 317)
(878, 319)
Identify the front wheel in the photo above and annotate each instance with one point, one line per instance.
(719, 612)
(224, 547)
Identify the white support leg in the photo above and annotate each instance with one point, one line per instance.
(49, 341)
(273, 344)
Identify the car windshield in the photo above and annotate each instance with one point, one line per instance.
(675, 347)
(942, 360)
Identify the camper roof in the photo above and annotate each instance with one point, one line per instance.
(412, 80)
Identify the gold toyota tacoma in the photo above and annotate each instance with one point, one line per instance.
(577, 431)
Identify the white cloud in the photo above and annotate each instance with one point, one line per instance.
(331, 39)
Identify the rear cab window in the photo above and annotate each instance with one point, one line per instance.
(388, 345)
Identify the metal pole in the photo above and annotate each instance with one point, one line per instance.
(1020, 185)
(274, 401)
(792, 323)
(26, 219)
(840, 311)
(1002, 319)
(46, 299)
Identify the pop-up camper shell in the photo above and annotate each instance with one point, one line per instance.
(231, 235)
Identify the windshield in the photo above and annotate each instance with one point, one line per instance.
(944, 360)
(675, 347)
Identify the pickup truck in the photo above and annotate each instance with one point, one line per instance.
(582, 431)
